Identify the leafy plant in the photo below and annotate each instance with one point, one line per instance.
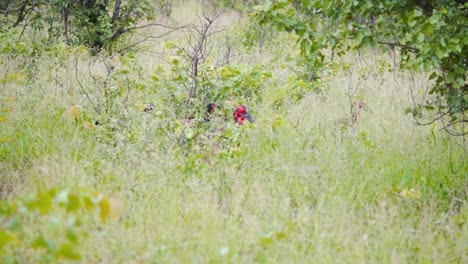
(431, 37)
(93, 23)
(62, 220)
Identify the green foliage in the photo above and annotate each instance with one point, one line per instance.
(165, 7)
(292, 92)
(234, 83)
(296, 185)
(9, 44)
(243, 5)
(431, 36)
(256, 34)
(62, 221)
(226, 86)
(93, 23)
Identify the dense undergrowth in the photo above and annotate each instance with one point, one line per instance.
(86, 175)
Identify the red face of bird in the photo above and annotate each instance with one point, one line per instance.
(241, 109)
(241, 114)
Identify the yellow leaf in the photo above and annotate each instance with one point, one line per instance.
(104, 209)
(2, 119)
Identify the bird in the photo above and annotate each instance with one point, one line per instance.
(241, 114)
(210, 109)
(149, 107)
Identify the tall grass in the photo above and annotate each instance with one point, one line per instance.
(302, 186)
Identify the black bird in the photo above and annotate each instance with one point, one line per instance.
(210, 109)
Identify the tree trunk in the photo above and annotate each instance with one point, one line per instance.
(116, 13)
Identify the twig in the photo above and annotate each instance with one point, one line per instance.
(82, 88)
(145, 39)
(392, 44)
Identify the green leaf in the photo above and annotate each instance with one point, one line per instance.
(44, 203)
(62, 197)
(421, 37)
(30, 202)
(72, 235)
(54, 223)
(434, 19)
(189, 133)
(280, 235)
(267, 6)
(443, 43)
(412, 23)
(5, 208)
(7, 237)
(42, 242)
(69, 251)
(451, 77)
(14, 223)
(73, 202)
(88, 203)
(264, 241)
(39, 242)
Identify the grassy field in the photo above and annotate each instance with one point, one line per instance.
(303, 184)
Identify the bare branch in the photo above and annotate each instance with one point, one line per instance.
(391, 44)
(144, 40)
(157, 24)
(82, 87)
